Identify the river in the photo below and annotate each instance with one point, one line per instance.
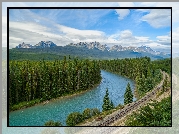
(58, 110)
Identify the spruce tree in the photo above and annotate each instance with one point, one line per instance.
(128, 96)
(112, 105)
(106, 102)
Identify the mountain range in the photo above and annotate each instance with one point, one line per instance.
(42, 44)
(94, 50)
(117, 48)
(92, 45)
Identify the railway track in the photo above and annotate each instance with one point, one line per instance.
(128, 108)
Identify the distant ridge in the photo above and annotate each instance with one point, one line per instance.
(24, 45)
(42, 44)
(93, 49)
(117, 48)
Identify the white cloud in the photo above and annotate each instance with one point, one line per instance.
(126, 38)
(156, 45)
(144, 10)
(29, 26)
(15, 39)
(48, 30)
(69, 30)
(174, 5)
(126, 34)
(126, 4)
(175, 9)
(158, 18)
(122, 13)
(142, 39)
(33, 33)
(164, 38)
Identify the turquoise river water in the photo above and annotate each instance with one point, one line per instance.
(58, 110)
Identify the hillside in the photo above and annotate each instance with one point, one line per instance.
(50, 53)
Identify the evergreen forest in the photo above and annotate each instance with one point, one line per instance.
(32, 82)
(37, 81)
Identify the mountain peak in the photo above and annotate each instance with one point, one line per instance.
(41, 44)
(90, 45)
(44, 44)
(24, 45)
(97, 45)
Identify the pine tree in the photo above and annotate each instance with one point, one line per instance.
(128, 96)
(112, 104)
(106, 102)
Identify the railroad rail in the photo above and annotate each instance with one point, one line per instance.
(132, 106)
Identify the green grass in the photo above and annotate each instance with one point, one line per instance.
(24, 104)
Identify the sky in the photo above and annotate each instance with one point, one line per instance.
(124, 27)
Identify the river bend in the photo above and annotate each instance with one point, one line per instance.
(58, 110)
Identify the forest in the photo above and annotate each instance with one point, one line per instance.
(37, 81)
(143, 71)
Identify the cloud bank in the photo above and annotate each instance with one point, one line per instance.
(158, 18)
(32, 33)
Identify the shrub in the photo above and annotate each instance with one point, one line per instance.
(95, 111)
(87, 113)
(53, 123)
(74, 118)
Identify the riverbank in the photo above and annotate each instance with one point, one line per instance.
(135, 88)
(58, 110)
(159, 96)
(36, 102)
(111, 119)
(121, 122)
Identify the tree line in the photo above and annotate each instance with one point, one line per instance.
(143, 71)
(44, 80)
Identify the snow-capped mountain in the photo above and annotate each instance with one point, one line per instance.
(117, 48)
(24, 45)
(42, 44)
(91, 45)
(97, 46)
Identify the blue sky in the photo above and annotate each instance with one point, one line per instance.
(126, 27)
